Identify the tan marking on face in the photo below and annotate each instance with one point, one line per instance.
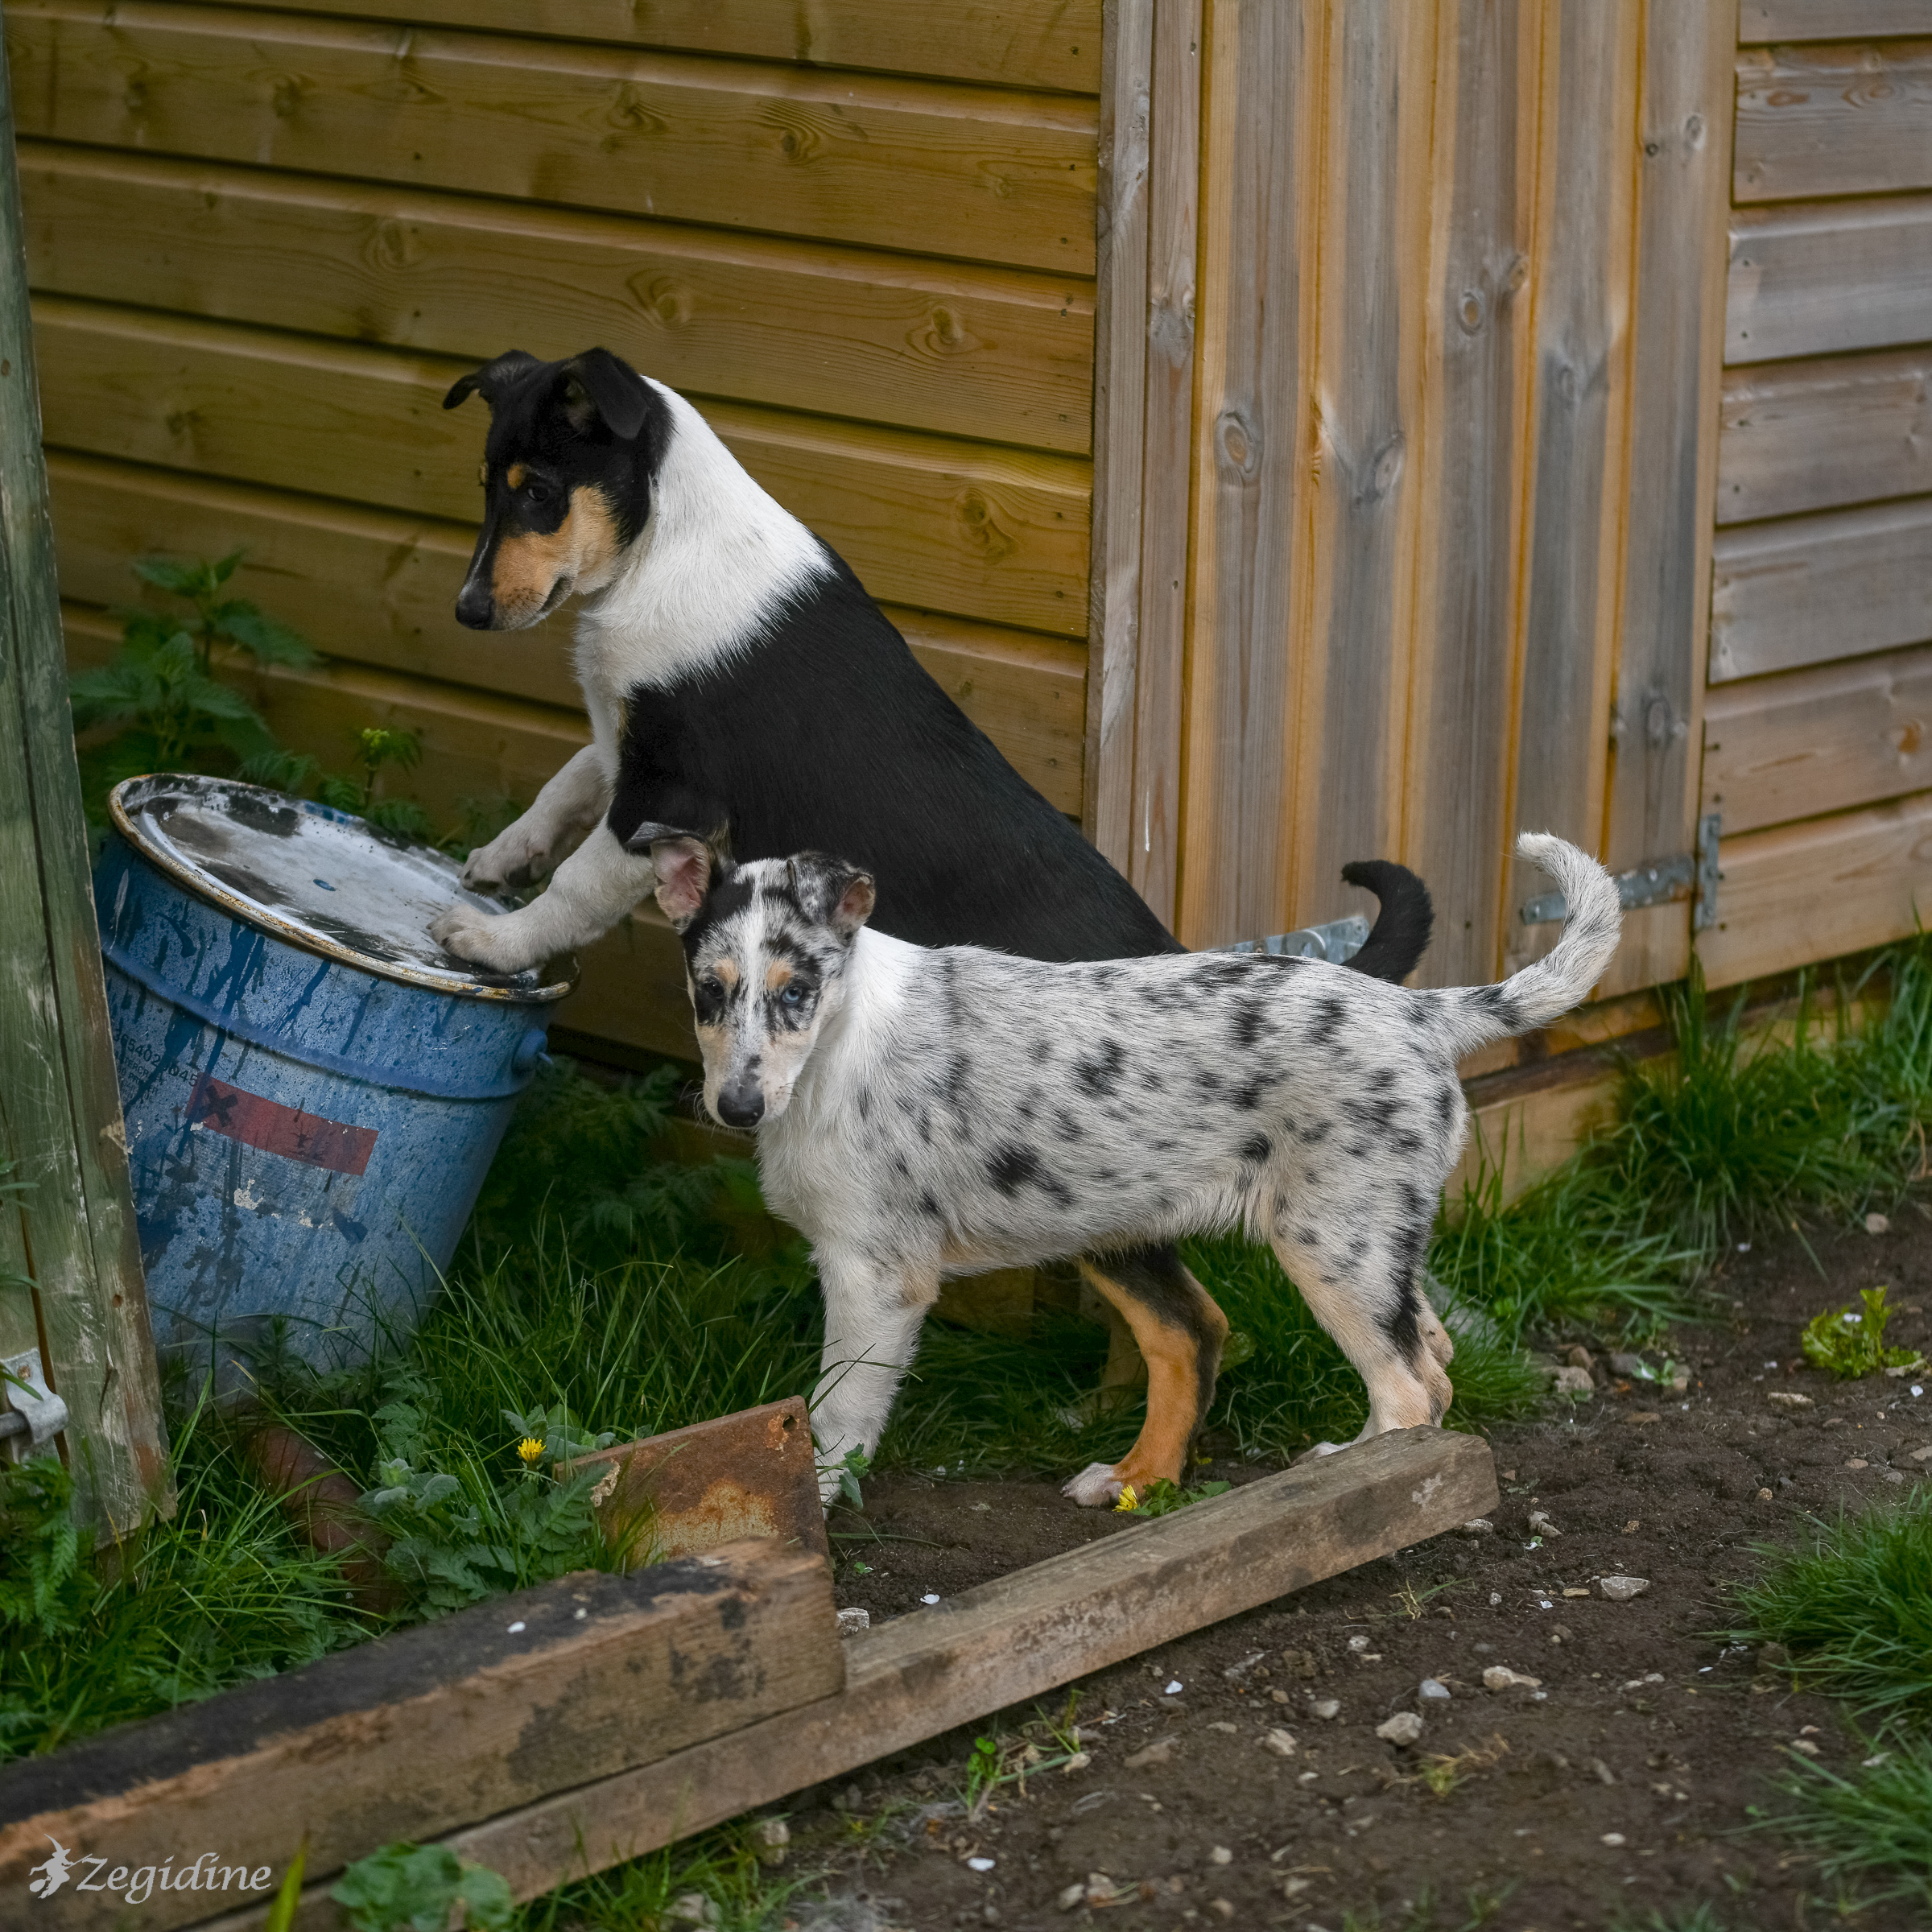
(516, 476)
(529, 564)
(778, 975)
(727, 970)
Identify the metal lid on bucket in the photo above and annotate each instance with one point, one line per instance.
(320, 879)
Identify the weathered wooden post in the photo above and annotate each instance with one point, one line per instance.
(71, 1297)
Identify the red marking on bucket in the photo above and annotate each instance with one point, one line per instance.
(275, 1129)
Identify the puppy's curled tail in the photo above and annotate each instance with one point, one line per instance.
(1402, 921)
(1543, 992)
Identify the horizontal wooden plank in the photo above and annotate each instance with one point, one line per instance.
(993, 353)
(1043, 43)
(1808, 590)
(429, 1728)
(377, 590)
(996, 535)
(1824, 740)
(1001, 1643)
(1817, 278)
(976, 173)
(1821, 435)
(1847, 118)
(1828, 19)
(1819, 890)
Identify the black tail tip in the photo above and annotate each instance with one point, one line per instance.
(1400, 935)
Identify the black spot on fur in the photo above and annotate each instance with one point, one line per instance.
(1248, 1022)
(1331, 1010)
(928, 1205)
(1011, 1168)
(1099, 1075)
(1256, 1148)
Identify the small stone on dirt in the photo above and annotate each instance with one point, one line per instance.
(1325, 1708)
(1074, 1895)
(1578, 1357)
(1222, 1724)
(1540, 1522)
(1156, 1753)
(769, 1836)
(1805, 1745)
(1358, 1643)
(1856, 1462)
(1614, 1838)
(1499, 1677)
(1221, 1855)
(1924, 1454)
(1079, 1761)
(1479, 1525)
(1878, 1223)
(1282, 1743)
(692, 1908)
(1574, 1381)
(1788, 1398)
(1639, 1418)
(1434, 1691)
(1220, 1908)
(1621, 1589)
(1764, 1496)
(1405, 1727)
(851, 1622)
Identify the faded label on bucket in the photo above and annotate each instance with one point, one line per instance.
(275, 1129)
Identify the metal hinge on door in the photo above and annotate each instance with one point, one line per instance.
(1334, 941)
(31, 1415)
(1690, 875)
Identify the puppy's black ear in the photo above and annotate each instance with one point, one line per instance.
(839, 894)
(683, 867)
(491, 380)
(601, 387)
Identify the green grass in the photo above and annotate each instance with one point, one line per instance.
(1854, 1608)
(1869, 1832)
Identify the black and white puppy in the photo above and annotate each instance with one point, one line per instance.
(924, 1113)
(742, 685)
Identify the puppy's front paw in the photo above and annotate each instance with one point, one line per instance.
(513, 857)
(498, 945)
(1096, 1487)
(1308, 1456)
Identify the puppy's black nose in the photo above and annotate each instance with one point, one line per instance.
(476, 607)
(741, 1105)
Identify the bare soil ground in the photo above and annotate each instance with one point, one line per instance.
(1620, 1784)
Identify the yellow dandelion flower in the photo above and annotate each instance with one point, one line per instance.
(1128, 1500)
(531, 1450)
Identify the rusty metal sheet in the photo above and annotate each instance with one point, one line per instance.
(690, 1490)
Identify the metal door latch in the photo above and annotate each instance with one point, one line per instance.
(31, 1415)
(1690, 875)
(1337, 940)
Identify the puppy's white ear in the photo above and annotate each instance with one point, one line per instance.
(684, 878)
(855, 905)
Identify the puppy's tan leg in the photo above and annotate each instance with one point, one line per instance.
(1386, 1327)
(1180, 1332)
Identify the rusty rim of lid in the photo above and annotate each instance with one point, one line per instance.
(133, 805)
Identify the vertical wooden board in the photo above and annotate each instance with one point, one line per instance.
(59, 1106)
(1850, 119)
(1353, 634)
(1160, 688)
(1262, 86)
(1120, 369)
(1469, 461)
(1683, 178)
(1580, 290)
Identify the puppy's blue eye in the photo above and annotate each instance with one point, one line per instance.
(792, 995)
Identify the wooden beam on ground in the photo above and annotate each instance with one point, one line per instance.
(1005, 1642)
(1854, 118)
(717, 1482)
(1820, 740)
(433, 1728)
(1818, 277)
(1807, 590)
(1823, 435)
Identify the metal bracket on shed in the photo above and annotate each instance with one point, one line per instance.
(31, 1415)
(1690, 875)
(1337, 940)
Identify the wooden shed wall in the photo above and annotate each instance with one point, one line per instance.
(263, 241)
(1820, 700)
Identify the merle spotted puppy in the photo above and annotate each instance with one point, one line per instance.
(927, 1112)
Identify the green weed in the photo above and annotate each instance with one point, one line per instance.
(1851, 1342)
(1870, 1831)
(1162, 1498)
(406, 1888)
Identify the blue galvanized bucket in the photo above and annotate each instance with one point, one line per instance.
(313, 1088)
